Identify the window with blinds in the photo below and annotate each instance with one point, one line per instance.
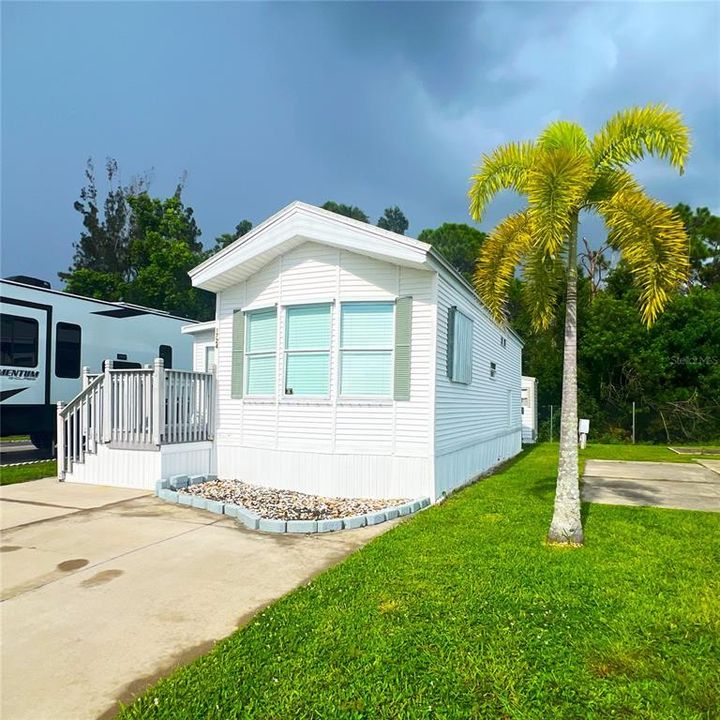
(260, 351)
(460, 347)
(307, 350)
(367, 338)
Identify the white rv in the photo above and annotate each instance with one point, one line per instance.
(48, 336)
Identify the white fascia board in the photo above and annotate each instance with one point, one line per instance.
(305, 223)
(198, 327)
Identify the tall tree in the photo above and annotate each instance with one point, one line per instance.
(561, 174)
(137, 248)
(394, 219)
(347, 210)
(222, 241)
(459, 243)
(703, 229)
(102, 253)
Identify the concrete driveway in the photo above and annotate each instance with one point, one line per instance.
(683, 486)
(104, 590)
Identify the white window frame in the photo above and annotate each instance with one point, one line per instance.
(493, 370)
(264, 353)
(366, 398)
(313, 351)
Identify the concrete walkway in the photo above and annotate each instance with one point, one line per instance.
(683, 486)
(105, 590)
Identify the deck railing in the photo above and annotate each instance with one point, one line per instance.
(135, 409)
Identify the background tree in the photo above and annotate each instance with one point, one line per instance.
(347, 210)
(394, 219)
(561, 174)
(703, 229)
(222, 241)
(594, 263)
(156, 242)
(459, 243)
(102, 251)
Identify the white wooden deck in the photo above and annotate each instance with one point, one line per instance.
(130, 428)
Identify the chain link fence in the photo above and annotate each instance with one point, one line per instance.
(680, 422)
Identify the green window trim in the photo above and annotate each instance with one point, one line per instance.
(403, 348)
(238, 355)
(308, 339)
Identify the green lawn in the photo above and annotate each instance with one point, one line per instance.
(9, 475)
(463, 612)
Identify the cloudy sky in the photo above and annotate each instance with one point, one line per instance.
(370, 104)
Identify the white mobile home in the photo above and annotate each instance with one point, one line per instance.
(48, 336)
(344, 360)
(353, 361)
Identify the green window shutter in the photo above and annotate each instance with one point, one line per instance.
(451, 341)
(403, 338)
(238, 353)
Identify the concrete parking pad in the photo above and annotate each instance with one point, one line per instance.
(112, 594)
(683, 486)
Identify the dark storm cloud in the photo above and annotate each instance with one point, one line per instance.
(367, 103)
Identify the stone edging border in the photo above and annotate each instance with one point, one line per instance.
(169, 491)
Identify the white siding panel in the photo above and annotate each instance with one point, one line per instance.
(118, 467)
(472, 426)
(313, 272)
(329, 474)
(364, 278)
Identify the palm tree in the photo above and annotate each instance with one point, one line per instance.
(561, 174)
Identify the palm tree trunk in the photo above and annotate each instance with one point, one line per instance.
(566, 525)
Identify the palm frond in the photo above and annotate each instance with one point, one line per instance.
(499, 256)
(653, 241)
(556, 187)
(543, 282)
(505, 168)
(609, 182)
(564, 135)
(653, 129)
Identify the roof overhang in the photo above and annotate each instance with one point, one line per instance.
(294, 225)
(196, 328)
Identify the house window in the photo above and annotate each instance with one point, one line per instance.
(503, 341)
(307, 350)
(165, 353)
(366, 349)
(260, 346)
(67, 350)
(460, 347)
(18, 341)
(493, 369)
(209, 358)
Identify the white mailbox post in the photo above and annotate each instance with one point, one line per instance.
(583, 431)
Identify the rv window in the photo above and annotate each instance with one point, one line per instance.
(18, 341)
(67, 350)
(165, 352)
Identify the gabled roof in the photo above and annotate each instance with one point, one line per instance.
(298, 223)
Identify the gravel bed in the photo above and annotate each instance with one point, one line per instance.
(286, 504)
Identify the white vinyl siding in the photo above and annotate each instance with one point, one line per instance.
(260, 352)
(345, 446)
(307, 350)
(471, 427)
(366, 349)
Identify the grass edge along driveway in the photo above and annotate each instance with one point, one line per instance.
(464, 612)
